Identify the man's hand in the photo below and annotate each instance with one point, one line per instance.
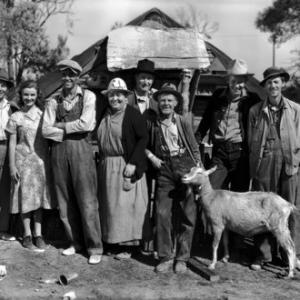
(156, 162)
(60, 125)
(186, 76)
(129, 170)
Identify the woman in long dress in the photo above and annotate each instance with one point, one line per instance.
(122, 139)
(28, 162)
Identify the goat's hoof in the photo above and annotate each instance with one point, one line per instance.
(225, 259)
(212, 267)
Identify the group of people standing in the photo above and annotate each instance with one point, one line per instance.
(143, 137)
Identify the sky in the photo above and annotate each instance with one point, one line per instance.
(237, 35)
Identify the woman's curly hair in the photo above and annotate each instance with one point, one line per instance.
(30, 84)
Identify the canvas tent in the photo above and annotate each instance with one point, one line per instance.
(94, 58)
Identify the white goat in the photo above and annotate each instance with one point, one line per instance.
(247, 213)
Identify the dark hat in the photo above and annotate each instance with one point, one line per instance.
(273, 72)
(168, 88)
(73, 65)
(145, 66)
(4, 77)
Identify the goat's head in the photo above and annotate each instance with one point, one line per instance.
(197, 176)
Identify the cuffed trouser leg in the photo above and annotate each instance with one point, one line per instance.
(76, 188)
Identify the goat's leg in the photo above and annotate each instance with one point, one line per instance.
(225, 241)
(217, 234)
(285, 240)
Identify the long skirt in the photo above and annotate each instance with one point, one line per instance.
(122, 213)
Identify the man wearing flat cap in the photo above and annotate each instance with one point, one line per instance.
(174, 151)
(274, 149)
(68, 120)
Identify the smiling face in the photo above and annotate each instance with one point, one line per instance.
(144, 82)
(236, 85)
(69, 79)
(274, 86)
(29, 97)
(167, 103)
(3, 89)
(117, 100)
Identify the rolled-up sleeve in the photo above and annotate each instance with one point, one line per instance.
(87, 120)
(49, 131)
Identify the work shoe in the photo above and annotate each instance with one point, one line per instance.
(255, 267)
(164, 266)
(95, 259)
(71, 250)
(27, 242)
(123, 255)
(39, 242)
(7, 237)
(180, 267)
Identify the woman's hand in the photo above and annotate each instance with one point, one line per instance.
(14, 174)
(156, 162)
(129, 170)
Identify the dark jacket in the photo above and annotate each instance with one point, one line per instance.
(134, 140)
(150, 113)
(215, 112)
(186, 134)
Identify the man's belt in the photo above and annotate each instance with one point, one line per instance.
(179, 152)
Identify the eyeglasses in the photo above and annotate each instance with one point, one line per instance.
(68, 73)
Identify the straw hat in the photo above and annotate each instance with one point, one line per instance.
(118, 85)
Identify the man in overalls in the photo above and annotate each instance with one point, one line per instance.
(274, 145)
(68, 119)
(174, 151)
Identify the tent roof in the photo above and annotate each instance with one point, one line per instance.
(95, 56)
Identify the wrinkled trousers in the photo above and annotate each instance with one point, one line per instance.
(75, 183)
(176, 209)
(4, 188)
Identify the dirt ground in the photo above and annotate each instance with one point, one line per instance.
(131, 279)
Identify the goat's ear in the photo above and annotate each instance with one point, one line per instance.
(211, 170)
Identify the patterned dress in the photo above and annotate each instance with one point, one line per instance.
(31, 192)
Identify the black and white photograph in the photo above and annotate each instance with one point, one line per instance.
(150, 149)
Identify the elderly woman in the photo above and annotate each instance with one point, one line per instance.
(122, 139)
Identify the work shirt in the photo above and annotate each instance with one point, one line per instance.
(142, 102)
(229, 128)
(289, 133)
(4, 116)
(86, 122)
(171, 136)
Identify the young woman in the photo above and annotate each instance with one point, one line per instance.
(28, 162)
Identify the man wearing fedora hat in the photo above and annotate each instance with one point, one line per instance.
(6, 109)
(274, 153)
(141, 98)
(226, 118)
(174, 151)
(67, 121)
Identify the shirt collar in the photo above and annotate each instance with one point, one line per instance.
(4, 103)
(33, 113)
